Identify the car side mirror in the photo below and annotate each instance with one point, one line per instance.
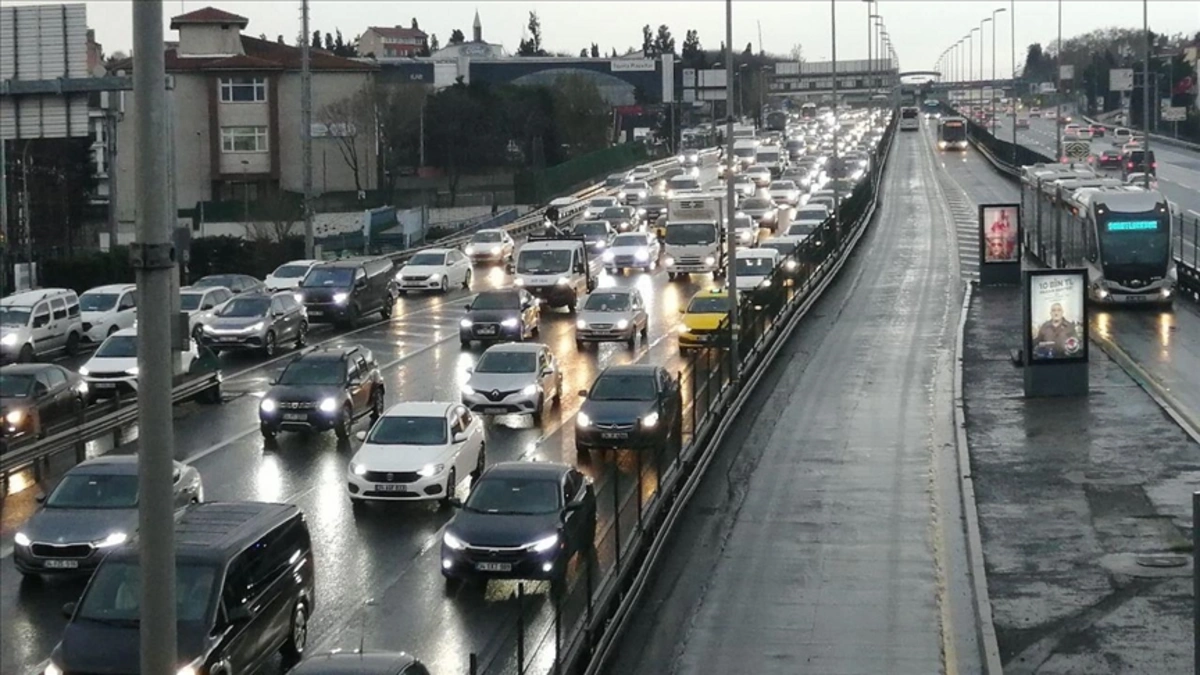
(362, 435)
(41, 498)
(68, 609)
(569, 509)
(583, 393)
(239, 614)
(360, 283)
(467, 306)
(470, 369)
(460, 437)
(455, 502)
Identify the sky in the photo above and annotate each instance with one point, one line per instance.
(919, 30)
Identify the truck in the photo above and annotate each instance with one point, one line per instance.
(694, 242)
(558, 270)
(744, 151)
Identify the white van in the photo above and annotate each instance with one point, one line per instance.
(36, 323)
(559, 270)
(106, 310)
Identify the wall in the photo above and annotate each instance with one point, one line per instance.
(210, 40)
(330, 171)
(248, 114)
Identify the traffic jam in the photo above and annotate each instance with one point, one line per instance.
(643, 263)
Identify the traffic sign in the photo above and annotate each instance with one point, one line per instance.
(1077, 150)
(1066, 72)
(1174, 114)
(1120, 79)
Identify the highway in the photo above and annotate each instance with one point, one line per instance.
(817, 541)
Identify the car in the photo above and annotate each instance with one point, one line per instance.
(259, 322)
(1097, 130)
(810, 216)
(287, 277)
(642, 173)
(490, 246)
(1035, 112)
(752, 269)
(617, 179)
(112, 369)
(623, 218)
(1139, 179)
(1108, 159)
(105, 310)
(327, 388)
(632, 250)
(1139, 161)
(356, 662)
(801, 229)
(559, 270)
(784, 192)
(612, 314)
(236, 283)
(92, 508)
(499, 315)
(690, 157)
(244, 588)
(200, 304)
(344, 291)
(596, 206)
(786, 247)
(435, 269)
(702, 320)
(636, 406)
(1075, 131)
(760, 174)
(762, 210)
(35, 397)
(38, 323)
(744, 185)
(597, 234)
(514, 379)
(681, 185)
(746, 229)
(632, 193)
(654, 206)
(1050, 113)
(1121, 135)
(417, 451)
(523, 520)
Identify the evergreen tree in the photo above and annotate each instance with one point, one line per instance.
(457, 37)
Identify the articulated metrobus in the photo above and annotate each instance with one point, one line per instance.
(1120, 234)
(808, 111)
(910, 119)
(952, 133)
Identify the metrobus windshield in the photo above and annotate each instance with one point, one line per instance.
(1135, 239)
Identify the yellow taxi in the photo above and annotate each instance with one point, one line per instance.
(702, 320)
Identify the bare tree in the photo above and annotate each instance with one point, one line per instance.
(348, 122)
(277, 216)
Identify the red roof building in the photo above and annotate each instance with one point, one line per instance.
(398, 41)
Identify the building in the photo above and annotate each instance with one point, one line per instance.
(813, 80)
(395, 42)
(234, 114)
(476, 48)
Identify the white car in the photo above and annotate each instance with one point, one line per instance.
(435, 269)
(113, 368)
(760, 174)
(744, 185)
(746, 229)
(105, 310)
(490, 246)
(784, 192)
(642, 173)
(417, 451)
(753, 268)
(287, 277)
(814, 213)
(632, 250)
(514, 378)
(596, 206)
(633, 193)
(200, 304)
(1135, 179)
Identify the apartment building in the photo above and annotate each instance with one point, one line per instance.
(235, 118)
(397, 41)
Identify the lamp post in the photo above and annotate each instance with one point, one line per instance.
(874, 23)
(1012, 56)
(982, 32)
(995, 25)
(1145, 100)
(741, 108)
(870, 64)
(731, 231)
(837, 219)
(1058, 153)
(971, 63)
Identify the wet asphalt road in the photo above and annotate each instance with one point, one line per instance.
(812, 544)
(388, 555)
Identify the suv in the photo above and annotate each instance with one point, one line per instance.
(244, 589)
(40, 322)
(514, 379)
(326, 388)
(106, 310)
(1139, 161)
(258, 321)
(343, 291)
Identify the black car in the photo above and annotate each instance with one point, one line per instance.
(344, 291)
(631, 406)
(623, 218)
(244, 589)
(1109, 159)
(500, 315)
(1139, 161)
(597, 234)
(324, 389)
(653, 206)
(360, 663)
(523, 520)
(37, 396)
(237, 283)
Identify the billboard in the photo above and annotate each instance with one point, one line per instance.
(44, 43)
(1000, 233)
(631, 65)
(1066, 72)
(1120, 79)
(1057, 322)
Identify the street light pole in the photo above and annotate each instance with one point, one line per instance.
(1145, 96)
(982, 35)
(870, 63)
(1012, 57)
(1058, 150)
(306, 131)
(730, 228)
(837, 218)
(995, 25)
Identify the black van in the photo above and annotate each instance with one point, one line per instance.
(343, 291)
(1139, 161)
(244, 591)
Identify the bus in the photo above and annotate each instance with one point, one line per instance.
(808, 111)
(910, 119)
(952, 134)
(1120, 234)
(777, 120)
(932, 107)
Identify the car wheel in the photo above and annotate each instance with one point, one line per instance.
(111, 330)
(558, 394)
(344, 424)
(465, 344)
(632, 339)
(198, 332)
(539, 415)
(26, 355)
(352, 317)
(646, 331)
(73, 344)
(268, 348)
(579, 345)
(302, 334)
(451, 487)
(389, 304)
(376, 405)
(297, 640)
(212, 395)
(480, 463)
(467, 280)
(671, 276)
(452, 585)
(445, 287)
(536, 329)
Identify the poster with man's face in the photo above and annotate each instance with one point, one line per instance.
(1056, 307)
(999, 231)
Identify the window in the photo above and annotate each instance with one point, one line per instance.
(243, 89)
(128, 301)
(55, 378)
(60, 309)
(244, 139)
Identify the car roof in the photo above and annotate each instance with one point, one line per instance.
(757, 253)
(420, 408)
(302, 261)
(528, 469)
(111, 288)
(516, 347)
(330, 352)
(617, 290)
(111, 465)
(29, 298)
(510, 290)
(490, 229)
(442, 251)
(711, 293)
(200, 289)
(348, 262)
(211, 528)
(646, 369)
(132, 330)
(27, 368)
(354, 663)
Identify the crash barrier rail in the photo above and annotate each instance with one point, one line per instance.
(1157, 138)
(571, 626)
(91, 423)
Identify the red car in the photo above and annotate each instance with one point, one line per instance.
(1097, 131)
(1109, 159)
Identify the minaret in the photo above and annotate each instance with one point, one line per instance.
(478, 26)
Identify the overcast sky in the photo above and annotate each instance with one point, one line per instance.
(919, 30)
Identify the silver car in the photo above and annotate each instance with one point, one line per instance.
(514, 379)
(612, 315)
(92, 509)
(257, 321)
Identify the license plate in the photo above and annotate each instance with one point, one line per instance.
(490, 330)
(1135, 298)
(228, 339)
(387, 487)
(316, 312)
(614, 435)
(495, 411)
(105, 385)
(493, 567)
(295, 417)
(62, 564)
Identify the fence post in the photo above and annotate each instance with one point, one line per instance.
(637, 487)
(521, 628)
(558, 626)
(617, 511)
(80, 445)
(1196, 577)
(472, 664)
(116, 405)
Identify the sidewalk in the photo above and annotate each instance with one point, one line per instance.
(1080, 503)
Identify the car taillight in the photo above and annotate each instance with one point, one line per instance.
(1153, 165)
(1130, 165)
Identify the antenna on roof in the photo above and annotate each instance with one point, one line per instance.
(362, 628)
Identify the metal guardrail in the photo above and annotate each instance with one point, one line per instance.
(1157, 138)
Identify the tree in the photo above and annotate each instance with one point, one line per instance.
(276, 217)
(648, 46)
(316, 40)
(399, 110)
(415, 25)
(62, 180)
(595, 51)
(432, 45)
(797, 53)
(749, 50)
(581, 116)
(692, 53)
(456, 37)
(462, 131)
(664, 43)
(533, 45)
(349, 122)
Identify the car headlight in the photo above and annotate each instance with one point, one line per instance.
(469, 249)
(21, 539)
(431, 470)
(132, 371)
(581, 324)
(268, 405)
(529, 390)
(669, 261)
(466, 323)
(299, 297)
(205, 328)
(84, 371)
(544, 544)
(254, 328)
(9, 340)
(563, 281)
(518, 281)
(340, 298)
(582, 420)
(14, 417)
(744, 235)
(52, 669)
(789, 264)
(608, 256)
(765, 283)
(642, 255)
(453, 542)
(328, 405)
(358, 469)
(710, 260)
(601, 244)
(468, 390)
(649, 421)
(114, 539)
(621, 194)
(622, 324)
(682, 329)
(510, 323)
(191, 668)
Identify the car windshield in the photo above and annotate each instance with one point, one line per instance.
(801, 229)
(428, 259)
(114, 594)
(591, 229)
(633, 186)
(16, 386)
(554, 261)
(754, 267)
(603, 202)
(743, 179)
(689, 234)
(409, 430)
(811, 214)
(290, 271)
(617, 213)
(336, 277)
(507, 362)
(313, 372)
(718, 304)
(14, 316)
(244, 308)
(785, 248)
(510, 495)
(783, 185)
(607, 302)
(209, 282)
(190, 302)
(487, 238)
(97, 302)
(744, 222)
(758, 204)
(496, 301)
(684, 183)
(95, 491)
(629, 240)
(623, 387)
(118, 347)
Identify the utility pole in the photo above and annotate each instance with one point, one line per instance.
(1012, 57)
(306, 129)
(1058, 149)
(153, 258)
(731, 230)
(870, 63)
(3, 218)
(837, 123)
(26, 229)
(110, 165)
(1145, 95)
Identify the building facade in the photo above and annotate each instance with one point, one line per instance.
(812, 81)
(394, 42)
